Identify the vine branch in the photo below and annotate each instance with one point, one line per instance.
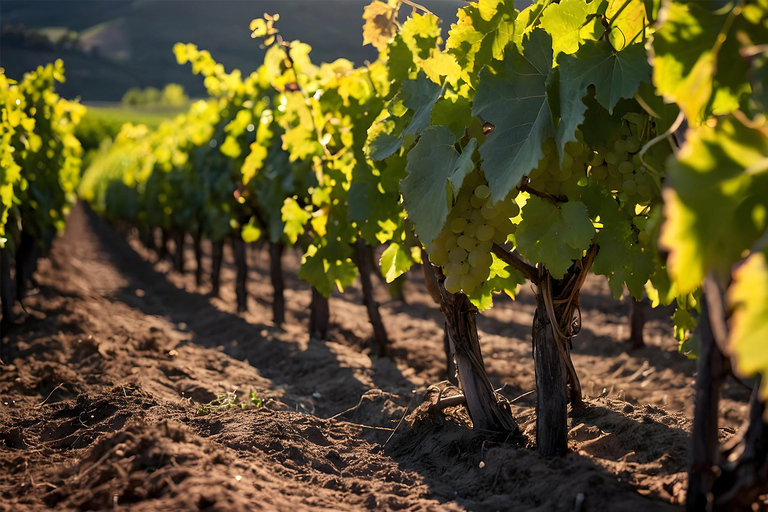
(513, 259)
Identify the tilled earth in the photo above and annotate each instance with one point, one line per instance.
(110, 398)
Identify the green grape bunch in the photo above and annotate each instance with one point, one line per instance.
(474, 224)
(560, 176)
(619, 167)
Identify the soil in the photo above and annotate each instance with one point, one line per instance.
(115, 357)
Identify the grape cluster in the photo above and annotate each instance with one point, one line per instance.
(618, 166)
(557, 177)
(474, 224)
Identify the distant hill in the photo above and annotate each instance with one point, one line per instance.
(127, 43)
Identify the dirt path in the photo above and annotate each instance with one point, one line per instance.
(100, 405)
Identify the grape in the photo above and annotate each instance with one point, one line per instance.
(453, 283)
(633, 144)
(626, 167)
(471, 229)
(468, 283)
(466, 242)
(438, 256)
(619, 146)
(457, 255)
(482, 191)
(612, 158)
(630, 187)
(485, 232)
(451, 243)
(457, 268)
(477, 217)
(489, 212)
(644, 191)
(458, 225)
(485, 246)
(597, 159)
(475, 201)
(480, 259)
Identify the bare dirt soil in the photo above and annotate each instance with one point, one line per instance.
(115, 354)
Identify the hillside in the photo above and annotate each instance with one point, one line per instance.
(127, 43)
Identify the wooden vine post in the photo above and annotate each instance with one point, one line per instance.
(555, 323)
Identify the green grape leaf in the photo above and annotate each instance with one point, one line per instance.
(748, 296)
(395, 261)
(685, 323)
(567, 24)
(421, 33)
(327, 266)
(503, 278)
(295, 218)
(628, 20)
(515, 102)
(420, 96)
(622, 260)
(526, 22)
(435, 171)
(715, 210)
(251, 232)
(554, 235)
(691, 68)
(615, 75)
(480, 35)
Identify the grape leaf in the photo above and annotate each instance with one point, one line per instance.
(434, 168)
(714, 209)
(327, 266)
(420, 96)
(615, 75)
(554, 235)
(380, 24)
(567, 23)
(515, 102)
(395, 261)
(691, 68)
(480, 35)
(421, 33)
(748, 296)
(628, 19)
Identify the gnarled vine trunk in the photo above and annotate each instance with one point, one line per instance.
(278, 284)
(178, 256)
(241, 265)
(430, 278)
(364, 259)
(319, 316)
(217, 257)
(165, 239)
(198, 246)
(745, 478)
(6, 289)
(485, 408)
(27, 255)
(636, 324)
